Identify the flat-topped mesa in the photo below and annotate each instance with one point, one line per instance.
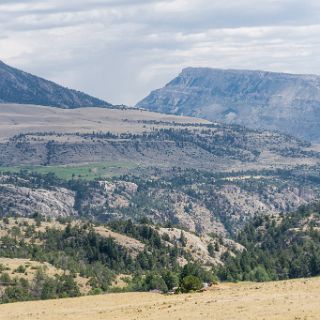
(17, 86)
(289, 103)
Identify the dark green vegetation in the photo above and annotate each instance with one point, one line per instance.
(277, 248)
(79, 249)
(41, 288)
(274, 248)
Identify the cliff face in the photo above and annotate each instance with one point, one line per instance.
(26, 200)
(223, 206)
(17, 86)
(260, 100)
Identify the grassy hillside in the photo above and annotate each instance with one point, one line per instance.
(30, 118)
(83, 257)
(42, 259)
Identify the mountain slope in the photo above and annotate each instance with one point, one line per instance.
(17, 86)
(257, 99)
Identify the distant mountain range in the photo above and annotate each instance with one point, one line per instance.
(20, 87)
(257, 99)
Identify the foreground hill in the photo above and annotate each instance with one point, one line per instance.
(257, 99)
(295, 299)
(17, 86)
(47, 259)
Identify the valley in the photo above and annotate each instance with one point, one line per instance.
(137, 197)
(121, 200)
(128, 163)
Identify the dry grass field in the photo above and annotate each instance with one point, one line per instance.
(297, 299)
(15, 119)
(31, 267)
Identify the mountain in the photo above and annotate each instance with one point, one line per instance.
(257, 99)
(17, 86)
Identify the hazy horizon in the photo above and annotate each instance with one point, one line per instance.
(121, 50)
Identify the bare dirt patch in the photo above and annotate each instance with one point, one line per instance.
(133, 245)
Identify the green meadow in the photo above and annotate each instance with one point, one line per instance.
(88, 171)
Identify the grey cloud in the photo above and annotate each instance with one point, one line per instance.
(121, 49)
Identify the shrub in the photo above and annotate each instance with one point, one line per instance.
(96, 291)
(155, 282)
(171, 279)
(259, 274)
(196, 270)
(191, 283)
(5, 279)
(211, 250)
(21, 269)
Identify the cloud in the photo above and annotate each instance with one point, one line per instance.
(119, 50)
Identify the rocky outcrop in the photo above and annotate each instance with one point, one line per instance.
(256, 99)
(237, 204)
(217, 207)
(57, 202)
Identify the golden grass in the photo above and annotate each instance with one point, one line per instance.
(298, 299)
(31, 268)
(12, 265)
(134, 246)
(15, 119)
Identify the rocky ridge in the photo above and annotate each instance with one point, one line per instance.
(256, 99)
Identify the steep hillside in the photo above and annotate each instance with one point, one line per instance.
(17, 86)
(120, 163)
(256, 99)
(278, 247)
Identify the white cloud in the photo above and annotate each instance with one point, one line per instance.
(121, 49)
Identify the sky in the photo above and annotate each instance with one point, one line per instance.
(120, 50)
